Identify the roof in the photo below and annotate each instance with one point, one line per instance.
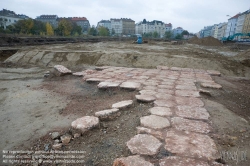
(104, 21)
(47, 17)
(179, 28)
(234, 17)
(168, 25)
(79, 19)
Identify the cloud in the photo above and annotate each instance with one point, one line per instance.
(192, 15)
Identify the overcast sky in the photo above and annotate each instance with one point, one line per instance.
(191, 15)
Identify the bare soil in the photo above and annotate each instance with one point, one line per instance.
(33, 106)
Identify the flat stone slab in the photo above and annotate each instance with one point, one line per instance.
(123, 104)
(108, 114)
(85, 123)
(145, 98)
(154, 122)
(131, 161)
(192, 112)
(185, 87)
(148, 92)
(161, 111)
(211, 85)
(213, 72)
(181, 161)
(190, 125)
(144, 144)
(189, 101)
(80, 74)
(150, 87)
(94, 79)
(62, 69)
(144, 130)
(168, 91)
(163, 96)
(104, 85)
(187, 93)
(191, 144)
(166, 86)
(164, 103)
(130, 85)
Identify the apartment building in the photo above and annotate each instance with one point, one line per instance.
(153, 26)
(168, 27)
(52, 19)
(177, 31)
(83, 22)
(246, 25)
(9, 18)
(221, 31)
(231, 25)
(128, 26)
(106, 24)
(116, 25)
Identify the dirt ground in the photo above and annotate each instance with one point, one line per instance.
(32, 106)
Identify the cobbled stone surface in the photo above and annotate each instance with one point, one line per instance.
(191, 145)
(144, 130)
(123, 104)
(108, 114)
(144, 144)
(154, 122)
(161, 111)
(104, 85)
(131, 161)
(192, 112)
(130, 85)
(190, 125)
(85, 123)
(181, 161)
(211, 85)
(189, 101)
(164, 103)
(145, 98)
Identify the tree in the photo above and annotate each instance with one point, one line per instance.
(168, 35)
(76, 29)
(178, 36)
(184, 33)
(65, 27)
(38, 28)
(113, 31)
(103, 31)
(155, 34)
(49, 29)
(92, 31)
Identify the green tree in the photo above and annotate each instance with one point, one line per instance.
(65, 27)
(113, 31)
(76, 29)
(168, 35)
(49, 29)
(178, 36)
(184, 33)
(103, 31)
(38, 28)
(155, 34)
(92, 31)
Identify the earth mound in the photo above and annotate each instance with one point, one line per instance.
(207, 41)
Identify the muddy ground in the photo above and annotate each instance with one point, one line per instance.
(33, 106)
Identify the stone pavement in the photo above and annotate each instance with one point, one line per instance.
(179, 123)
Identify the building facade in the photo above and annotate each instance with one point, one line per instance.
(8, 17)
(231, 25)
(144, 27)
(116, 25)
(51, 19)
(177, 31)
(221, 31)
(168, 27)
(246, 25)
(106, 24)
(128, 26)
(83, 22)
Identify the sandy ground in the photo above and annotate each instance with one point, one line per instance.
(33, 106)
